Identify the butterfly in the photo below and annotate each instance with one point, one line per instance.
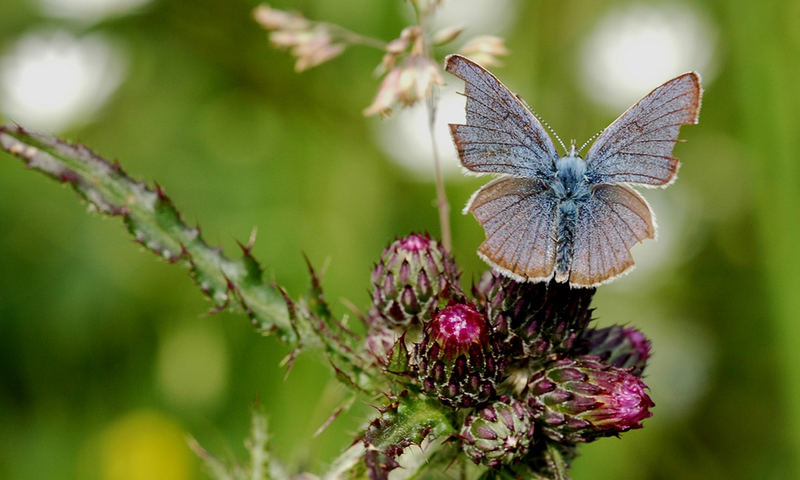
(558, 217)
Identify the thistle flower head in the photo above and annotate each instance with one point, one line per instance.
(499, 433)
(623, 347)
(535, 319)
(578, 400)
(456, 329)
(413, 274)
(457, 359)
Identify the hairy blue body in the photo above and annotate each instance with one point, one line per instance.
(571, 188)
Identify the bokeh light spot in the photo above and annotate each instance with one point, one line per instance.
(50, 80)
(635, 49)
(405, 138)
(89, 11)
(145, 446)
(479, 16)
(192, 366)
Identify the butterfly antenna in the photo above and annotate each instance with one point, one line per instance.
(550, 129)
(587, 142)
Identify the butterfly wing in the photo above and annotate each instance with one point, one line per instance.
(612, 221)
(637, 147)
(519, 217)
(501, 135)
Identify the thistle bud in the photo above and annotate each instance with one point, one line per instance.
(578, 400)
(623, 347)
(412, 275)
(498, 434)
(456, 359)
(535, 319)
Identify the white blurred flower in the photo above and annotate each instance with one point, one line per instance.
(89, 11)
(637, 48)
(50, 80)
(405, 138)
(481, 16)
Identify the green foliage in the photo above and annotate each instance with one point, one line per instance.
(154, 222)
(261, 466)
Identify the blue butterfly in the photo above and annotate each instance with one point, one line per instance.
(563, 217)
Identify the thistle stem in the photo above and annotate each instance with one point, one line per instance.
(559, 465)
(441, 195)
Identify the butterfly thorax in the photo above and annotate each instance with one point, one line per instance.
(570, 181)
(571, 188)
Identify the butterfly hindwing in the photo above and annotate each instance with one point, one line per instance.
(519, 217)
(610, 222)
(637, 147)
(501, 135)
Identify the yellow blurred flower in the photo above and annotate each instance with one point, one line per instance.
(145, 446)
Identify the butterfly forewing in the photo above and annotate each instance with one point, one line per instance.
(501, 134)
(637, 147)
(519, 217)
(612, 221)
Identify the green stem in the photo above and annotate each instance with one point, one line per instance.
(559, 465)
(431, 105)
(352, 37)
(441, 195)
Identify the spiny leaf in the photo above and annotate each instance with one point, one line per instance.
(155, 223)
(404, 422)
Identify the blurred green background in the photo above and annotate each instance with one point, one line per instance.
(108, 361)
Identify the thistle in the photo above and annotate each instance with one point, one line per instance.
(499, 433)
(578, 400)
(413, 274)
(457, 359)
(623, 347)
(535, 318)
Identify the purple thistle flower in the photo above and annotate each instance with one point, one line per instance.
(578, 400)
(623, 347)
(413, 274)
(536, 319)
(457, 359)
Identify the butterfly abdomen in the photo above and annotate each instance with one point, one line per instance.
(565, 238)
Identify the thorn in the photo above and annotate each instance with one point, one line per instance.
(327, 422)
(160, 191)
(288, 361)
(245, 248)
(252, 240)
(353, 308)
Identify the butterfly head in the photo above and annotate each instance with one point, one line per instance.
(572, 151)
(570, 179)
